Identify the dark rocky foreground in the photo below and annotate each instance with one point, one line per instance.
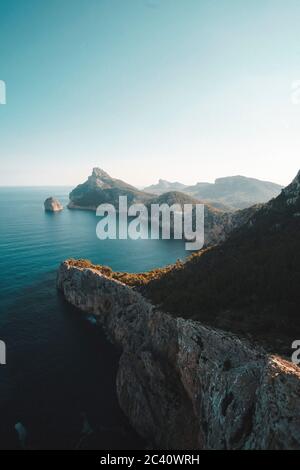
(184, 385)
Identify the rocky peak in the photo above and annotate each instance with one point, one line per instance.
(164, 184)
(99, 173)
(99, 178)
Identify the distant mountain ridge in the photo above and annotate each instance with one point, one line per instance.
(164, 186)
(220, 221)
(230, 192)
(248, 284)
(102, 188)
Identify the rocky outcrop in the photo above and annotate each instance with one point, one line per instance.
(184, 385)
(292, 192)
(52, 205)
(101, 188)
(287, 203)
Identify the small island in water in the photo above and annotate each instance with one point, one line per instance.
(52, 205)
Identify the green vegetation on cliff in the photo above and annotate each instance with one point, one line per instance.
(248, 284)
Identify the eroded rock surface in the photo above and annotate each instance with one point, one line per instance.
(52, 205)
(184, 385)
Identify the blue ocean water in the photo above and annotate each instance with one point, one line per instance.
(58, 365)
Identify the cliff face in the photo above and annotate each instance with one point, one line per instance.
(186, 386)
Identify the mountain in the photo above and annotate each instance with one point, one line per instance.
(248, 284)
(183, 382)
(164, 186)
(228, 193)
(236, 192)
(288, 202)
(174, 197)
(216, 222)
(101, 188)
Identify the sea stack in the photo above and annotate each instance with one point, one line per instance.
(52, 205)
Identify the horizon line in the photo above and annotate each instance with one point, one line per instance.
(141, 187)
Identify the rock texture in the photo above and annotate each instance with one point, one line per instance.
(52, 205)
(184, 385)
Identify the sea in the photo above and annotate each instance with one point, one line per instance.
(59, 376)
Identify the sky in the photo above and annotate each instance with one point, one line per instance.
(184, 90)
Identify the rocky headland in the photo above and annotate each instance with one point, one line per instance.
(184, 385)
(203, 342)
(101, 188)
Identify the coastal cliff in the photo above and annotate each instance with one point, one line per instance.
(102, 188)
(184, 385)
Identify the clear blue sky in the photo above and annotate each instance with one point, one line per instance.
(186, 90)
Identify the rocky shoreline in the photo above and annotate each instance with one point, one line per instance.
(184, 385)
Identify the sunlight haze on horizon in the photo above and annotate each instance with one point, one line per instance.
(183, 90)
